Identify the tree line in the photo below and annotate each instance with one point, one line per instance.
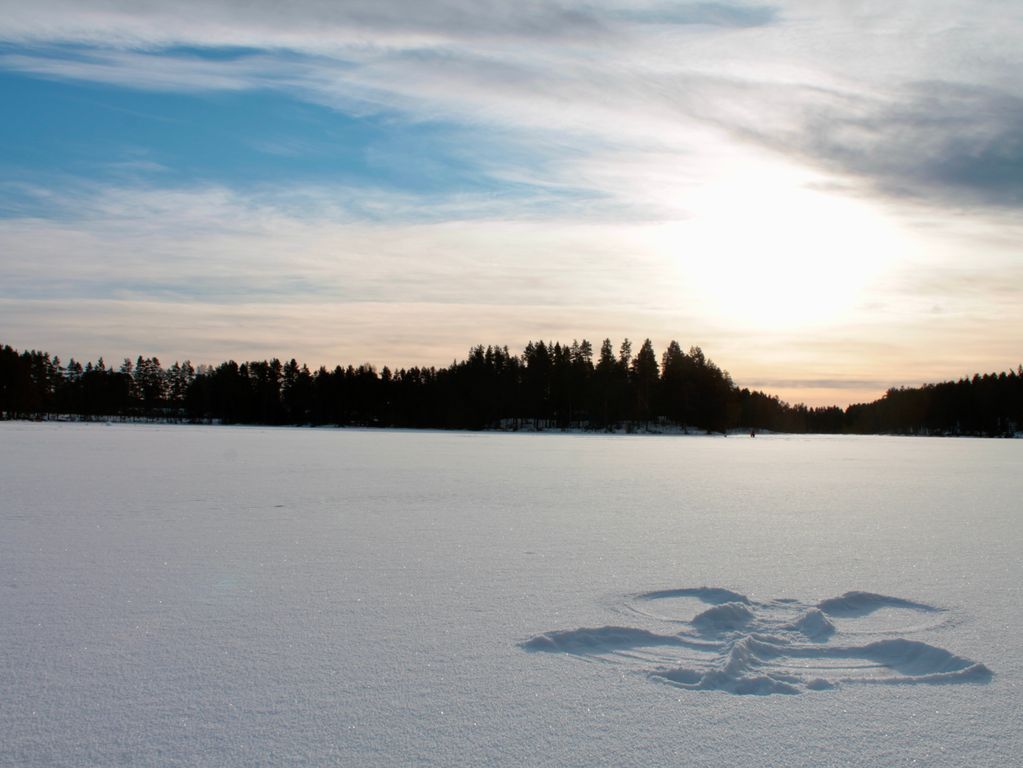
(548, 386)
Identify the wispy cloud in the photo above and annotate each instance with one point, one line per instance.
(151, 71)
(835, 88)
(210, 242)
(701, 14)
(940, 141)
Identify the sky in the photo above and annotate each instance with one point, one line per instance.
(826, 197)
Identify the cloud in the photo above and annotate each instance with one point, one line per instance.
(937, 141)
(323, 25)
(153, 71)
(209, 242)
(703, 14)
(861, 384)
(309, 24)
(840, 90)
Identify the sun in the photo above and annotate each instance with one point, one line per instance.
(771, 251)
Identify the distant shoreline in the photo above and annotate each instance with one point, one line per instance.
(549, 386)
(665, 431)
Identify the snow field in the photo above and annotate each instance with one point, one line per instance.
(217, 596)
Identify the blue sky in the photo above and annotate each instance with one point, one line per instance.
(825, 197)
(62, 131)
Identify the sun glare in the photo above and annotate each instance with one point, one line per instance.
(777, 253)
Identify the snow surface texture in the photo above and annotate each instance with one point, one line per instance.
(228, 596)
(743, 647)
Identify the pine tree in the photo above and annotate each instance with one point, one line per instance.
(644, 381)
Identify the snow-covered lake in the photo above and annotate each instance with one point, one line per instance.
(216, 596)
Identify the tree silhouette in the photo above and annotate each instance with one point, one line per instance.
(644, 379)
(550, 384)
